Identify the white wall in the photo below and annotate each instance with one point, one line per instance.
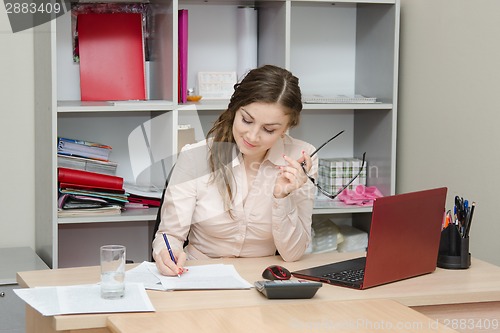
(449, 111)
(17, 183)
(448, 115)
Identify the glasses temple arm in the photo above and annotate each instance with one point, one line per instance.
(314, 152)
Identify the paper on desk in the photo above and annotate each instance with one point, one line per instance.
(51, 301)
(214, 276)
(142, 274)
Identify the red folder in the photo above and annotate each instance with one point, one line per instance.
(111, 51)
(183, 54)
(145, 201)
(91, 179)
(64, 186)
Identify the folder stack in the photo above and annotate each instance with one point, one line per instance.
(84, 193)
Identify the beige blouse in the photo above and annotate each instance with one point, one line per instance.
(262, 224)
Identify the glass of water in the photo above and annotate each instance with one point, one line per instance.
(112, 271)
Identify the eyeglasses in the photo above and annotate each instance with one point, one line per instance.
(323, 191)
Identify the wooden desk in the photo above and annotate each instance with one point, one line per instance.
(322, 316)
(478, 284)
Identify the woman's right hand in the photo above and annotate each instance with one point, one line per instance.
(166, 266)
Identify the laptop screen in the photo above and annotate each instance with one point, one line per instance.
(404, 236)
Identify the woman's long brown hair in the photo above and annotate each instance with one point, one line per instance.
(265, 84)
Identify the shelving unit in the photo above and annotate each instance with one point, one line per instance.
(344, 47)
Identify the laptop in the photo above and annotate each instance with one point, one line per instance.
(403, 242)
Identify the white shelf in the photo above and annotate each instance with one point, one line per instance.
(340, 106)
(118, 106)
(138, 215)
(218, 105)
(337, 207)
(212, 104)
(141, 215)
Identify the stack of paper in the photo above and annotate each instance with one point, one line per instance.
(142, 196)
(355, 240)
(51, 301)
(215, 276)
(87, 164)
(82, 148)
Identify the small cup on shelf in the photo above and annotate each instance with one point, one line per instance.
(192, 97)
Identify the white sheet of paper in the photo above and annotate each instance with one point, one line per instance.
(142, 273)
(213, 276)
(50, 301)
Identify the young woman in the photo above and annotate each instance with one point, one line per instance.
(242, 192)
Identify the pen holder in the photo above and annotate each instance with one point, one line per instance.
(453, 249)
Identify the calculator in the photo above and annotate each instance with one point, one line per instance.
(288, 288)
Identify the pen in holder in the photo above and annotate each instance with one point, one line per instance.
(453, 249)
(454, 244)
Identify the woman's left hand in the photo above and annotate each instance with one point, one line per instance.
(291, 176)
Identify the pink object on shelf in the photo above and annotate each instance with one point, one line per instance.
(361, 195)
(183, 54)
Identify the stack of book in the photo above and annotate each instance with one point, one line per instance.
(87, 164)
(143, 196)
(81, 148)
(85, 155)
(84, 193)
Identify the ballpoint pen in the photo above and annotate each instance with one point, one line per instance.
(466, 215)
(469, 220)
(170, 251)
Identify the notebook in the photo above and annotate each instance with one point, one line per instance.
(403, 242)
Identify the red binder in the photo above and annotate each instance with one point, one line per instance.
(65, 186)
(90, 179)
(183, 54)
(111, 57)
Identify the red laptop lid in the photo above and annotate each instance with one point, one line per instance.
(404, 236)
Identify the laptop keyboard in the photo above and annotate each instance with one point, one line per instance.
(355, 275)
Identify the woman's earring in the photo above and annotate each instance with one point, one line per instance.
(283, 135)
